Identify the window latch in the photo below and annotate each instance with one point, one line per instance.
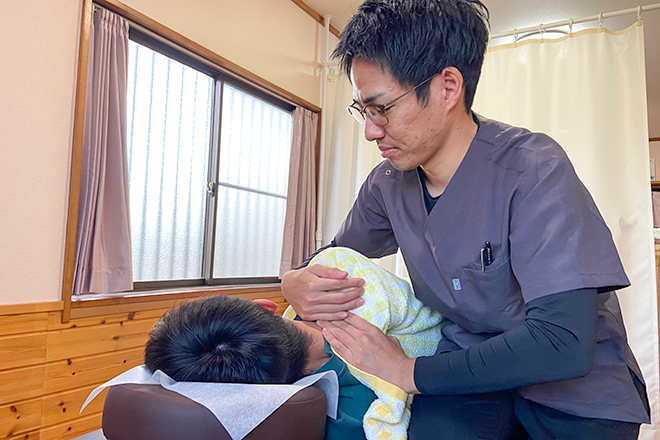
(210, 188)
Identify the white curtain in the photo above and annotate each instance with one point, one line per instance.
(349, 158)
(103, 246)
(588, 91)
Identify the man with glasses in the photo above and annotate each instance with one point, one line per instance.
(499, 235)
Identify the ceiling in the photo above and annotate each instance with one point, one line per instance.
(505, 15)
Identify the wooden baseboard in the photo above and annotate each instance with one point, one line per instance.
(15, 309)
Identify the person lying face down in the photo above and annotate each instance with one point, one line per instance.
(225, 339)
(229, 339)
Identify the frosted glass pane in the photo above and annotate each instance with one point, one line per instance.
(253, 173)
(248, 240)
(255, 143)
(168, 132)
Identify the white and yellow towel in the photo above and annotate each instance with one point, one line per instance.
(390, 305)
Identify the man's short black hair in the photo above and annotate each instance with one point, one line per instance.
(226, 339)
(416, 39)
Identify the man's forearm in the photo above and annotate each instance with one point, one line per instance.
(557, 341)
(318, 251)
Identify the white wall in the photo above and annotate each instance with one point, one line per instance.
(274, 39)
(654, 148)
(38, 48)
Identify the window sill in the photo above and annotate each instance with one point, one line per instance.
(105, 304)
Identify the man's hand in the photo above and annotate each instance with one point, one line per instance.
(366, 347)
(322, 293)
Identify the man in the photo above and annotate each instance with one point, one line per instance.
(226, 339)
(498, 234)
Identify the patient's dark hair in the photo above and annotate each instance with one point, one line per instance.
(226, 339)
(415, 39)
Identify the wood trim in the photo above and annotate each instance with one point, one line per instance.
(101, 310)
(188, 44)
(316, 16)
(165, 299)
(167, 295)
(76, 160)
(17, 309)
(654, 139)
(15, 324)
(69, 307)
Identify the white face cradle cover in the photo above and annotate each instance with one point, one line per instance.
(239, 407)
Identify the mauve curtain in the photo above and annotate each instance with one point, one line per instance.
(103, 247)
(300, 218)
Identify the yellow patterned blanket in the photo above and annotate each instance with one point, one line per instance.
(391, 306)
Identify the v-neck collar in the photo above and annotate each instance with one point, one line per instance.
(465, 173)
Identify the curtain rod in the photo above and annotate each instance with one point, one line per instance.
(570, 22)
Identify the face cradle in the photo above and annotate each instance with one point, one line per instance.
(413, 135)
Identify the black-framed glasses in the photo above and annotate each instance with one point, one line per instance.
(378, 113)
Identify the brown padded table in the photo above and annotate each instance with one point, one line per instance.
(151, 412)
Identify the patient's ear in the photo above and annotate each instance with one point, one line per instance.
(267, 304)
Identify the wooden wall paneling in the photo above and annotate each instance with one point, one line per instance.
(21, 384)
(75, 428)
(78, 372)
(47, 368)
(55, 319)
(27, 436)
(65, 407)
(22, 350)
(66, 344)
(24, 323)
(21, 417)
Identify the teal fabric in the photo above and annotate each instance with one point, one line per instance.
(354, 400)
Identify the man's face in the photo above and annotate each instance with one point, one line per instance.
(414, 134)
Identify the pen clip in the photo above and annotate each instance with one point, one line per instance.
(486, 256)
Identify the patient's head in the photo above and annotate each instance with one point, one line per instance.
(226, 339)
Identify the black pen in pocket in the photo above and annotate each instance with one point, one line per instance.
(486, 256)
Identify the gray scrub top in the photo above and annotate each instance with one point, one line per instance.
(518, 191)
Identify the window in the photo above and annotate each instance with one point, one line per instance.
(208, 171)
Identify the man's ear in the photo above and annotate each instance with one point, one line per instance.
(450, 83)
(267, 304)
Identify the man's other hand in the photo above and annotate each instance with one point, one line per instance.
(322, 293)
